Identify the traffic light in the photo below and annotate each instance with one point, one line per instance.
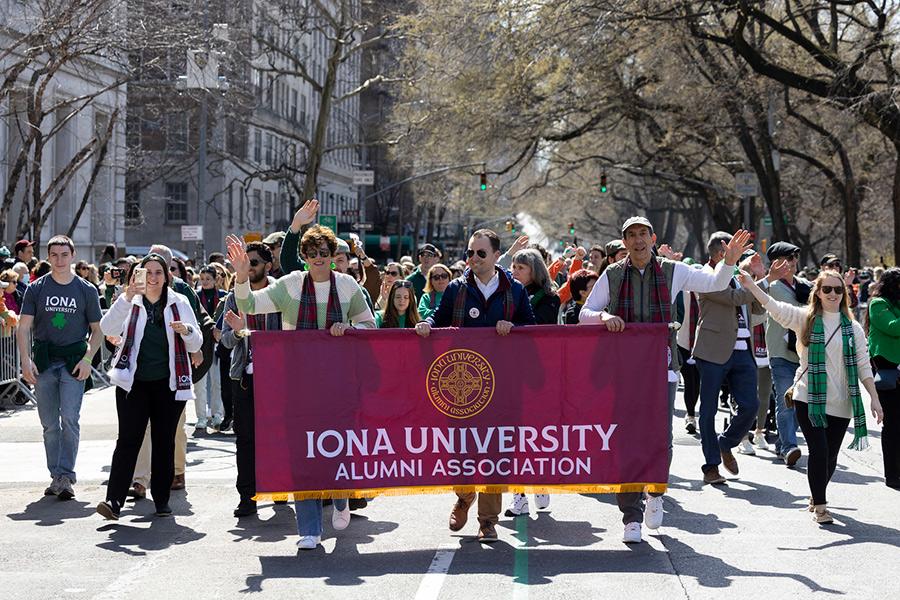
(483, 181)
(571, 228)
(603, 187)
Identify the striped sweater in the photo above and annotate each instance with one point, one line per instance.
(284, 297)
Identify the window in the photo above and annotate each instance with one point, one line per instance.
(269, 149)
(257, 146)
(293, 113)
(176, 203)
(303, 110)
(133, 203)
(269, 209)
(176, 126)
(255, 208)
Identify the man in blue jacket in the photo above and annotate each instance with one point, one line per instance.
(485, 296)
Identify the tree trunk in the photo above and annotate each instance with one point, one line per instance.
(895, 201)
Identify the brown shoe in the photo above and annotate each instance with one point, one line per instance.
(713, 477)
(178, 482)
(459, 515)
(729, 461)
(487, 533)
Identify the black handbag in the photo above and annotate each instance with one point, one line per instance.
(886, 379)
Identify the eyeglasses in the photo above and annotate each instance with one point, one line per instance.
(427, 254)
(832, 289)
(255, 262)
(392, 273)
(318, 253)
(173, 269)
(439, 276)
(480, 253)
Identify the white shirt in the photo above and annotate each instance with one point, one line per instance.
(487, 289)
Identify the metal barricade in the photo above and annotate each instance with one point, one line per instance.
(11, 384)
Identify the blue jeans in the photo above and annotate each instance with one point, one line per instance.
(309, 515)
(783, 373)
(740, 373)
(59, 397)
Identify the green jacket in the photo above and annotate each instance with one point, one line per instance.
(884, 329)
(425, 309)
(290, 252)
(418, 280)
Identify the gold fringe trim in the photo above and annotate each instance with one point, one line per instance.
(611, 488)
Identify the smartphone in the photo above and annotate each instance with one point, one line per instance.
(116, 274)
(140, 276)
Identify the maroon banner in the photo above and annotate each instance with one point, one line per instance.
(560, 408)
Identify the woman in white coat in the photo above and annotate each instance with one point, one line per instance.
(152, 374)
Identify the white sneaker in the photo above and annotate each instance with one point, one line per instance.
(309, 542)
(690, 425)
(632, 533)
(745, 447)
(653, 513)
(759, 438)
(518, 507)
(340, 519)
(542, 501)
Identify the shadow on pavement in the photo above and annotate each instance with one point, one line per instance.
(274, 529)
(50, 510)
(710, 571)
(857, 532)
(163, 533)
(547, 531)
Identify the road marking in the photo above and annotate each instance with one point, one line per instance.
(520, 560)
(437, 572)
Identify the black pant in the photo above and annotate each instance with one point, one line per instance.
(824, 445)
(245, 436)
(151, 401)
(890, 428)
(691, 376)
(224, 361)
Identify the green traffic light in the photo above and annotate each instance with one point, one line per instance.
(603, 189)
(483, 187)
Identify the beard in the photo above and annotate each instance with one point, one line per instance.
(256, 278)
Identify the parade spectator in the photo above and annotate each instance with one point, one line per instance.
(580, 284)
(884, 346)
(439, 277)
(342, 265)
(23, 252)
(486, 296)
(529, 269)
(392, 272)
(208, 395)
(596, 254)
(275, 241)
(782, 350)
(826, 393)
(11, 296)
(60, 310)
(428, 256)
(617, 299)
(152, 374)
(180, 270)
(315, 299)
(236, 337)
(401, 311)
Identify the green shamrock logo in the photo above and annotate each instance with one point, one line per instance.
(59, 321)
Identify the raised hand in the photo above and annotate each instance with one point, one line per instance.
(780, 269)
(520, 244)
(237, 254)
(235, 320)
(739, 244)
(304, 215)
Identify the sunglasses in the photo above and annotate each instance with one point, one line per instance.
(428, 254)
(439, 276)
(403, 284)
(320, 253)
(392, 273)
(833, 289)
(173, 269)
(255, 262)
(480, 253)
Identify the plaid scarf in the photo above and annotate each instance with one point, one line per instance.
(307, 313)
(459, 306)
(818, 380)
(182, 364)
(128, 343)
(759, 341)
(660, 298)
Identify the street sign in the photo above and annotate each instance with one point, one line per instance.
(746, 184)
(363, 226)
(192, 233)
(363, 177)
(350, 212)
(384, 243)
(329, 221)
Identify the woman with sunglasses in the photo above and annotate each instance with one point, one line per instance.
(392, 272)
(439, 277)
(401, 310)
(834, 358)
(319, 298)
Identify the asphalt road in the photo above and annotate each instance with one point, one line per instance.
(749, 539)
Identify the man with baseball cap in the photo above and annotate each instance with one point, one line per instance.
(275, 241)
(641, 289)
(782, 349)
(428, 256)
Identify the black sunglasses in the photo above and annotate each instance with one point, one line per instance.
(403, 284)
(480, 253)
(440, 276)
(392, 273)
(833, 289)
(318, 253)
(255, 262)
(427, 253)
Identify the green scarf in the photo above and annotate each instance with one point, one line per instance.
(818, 380)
